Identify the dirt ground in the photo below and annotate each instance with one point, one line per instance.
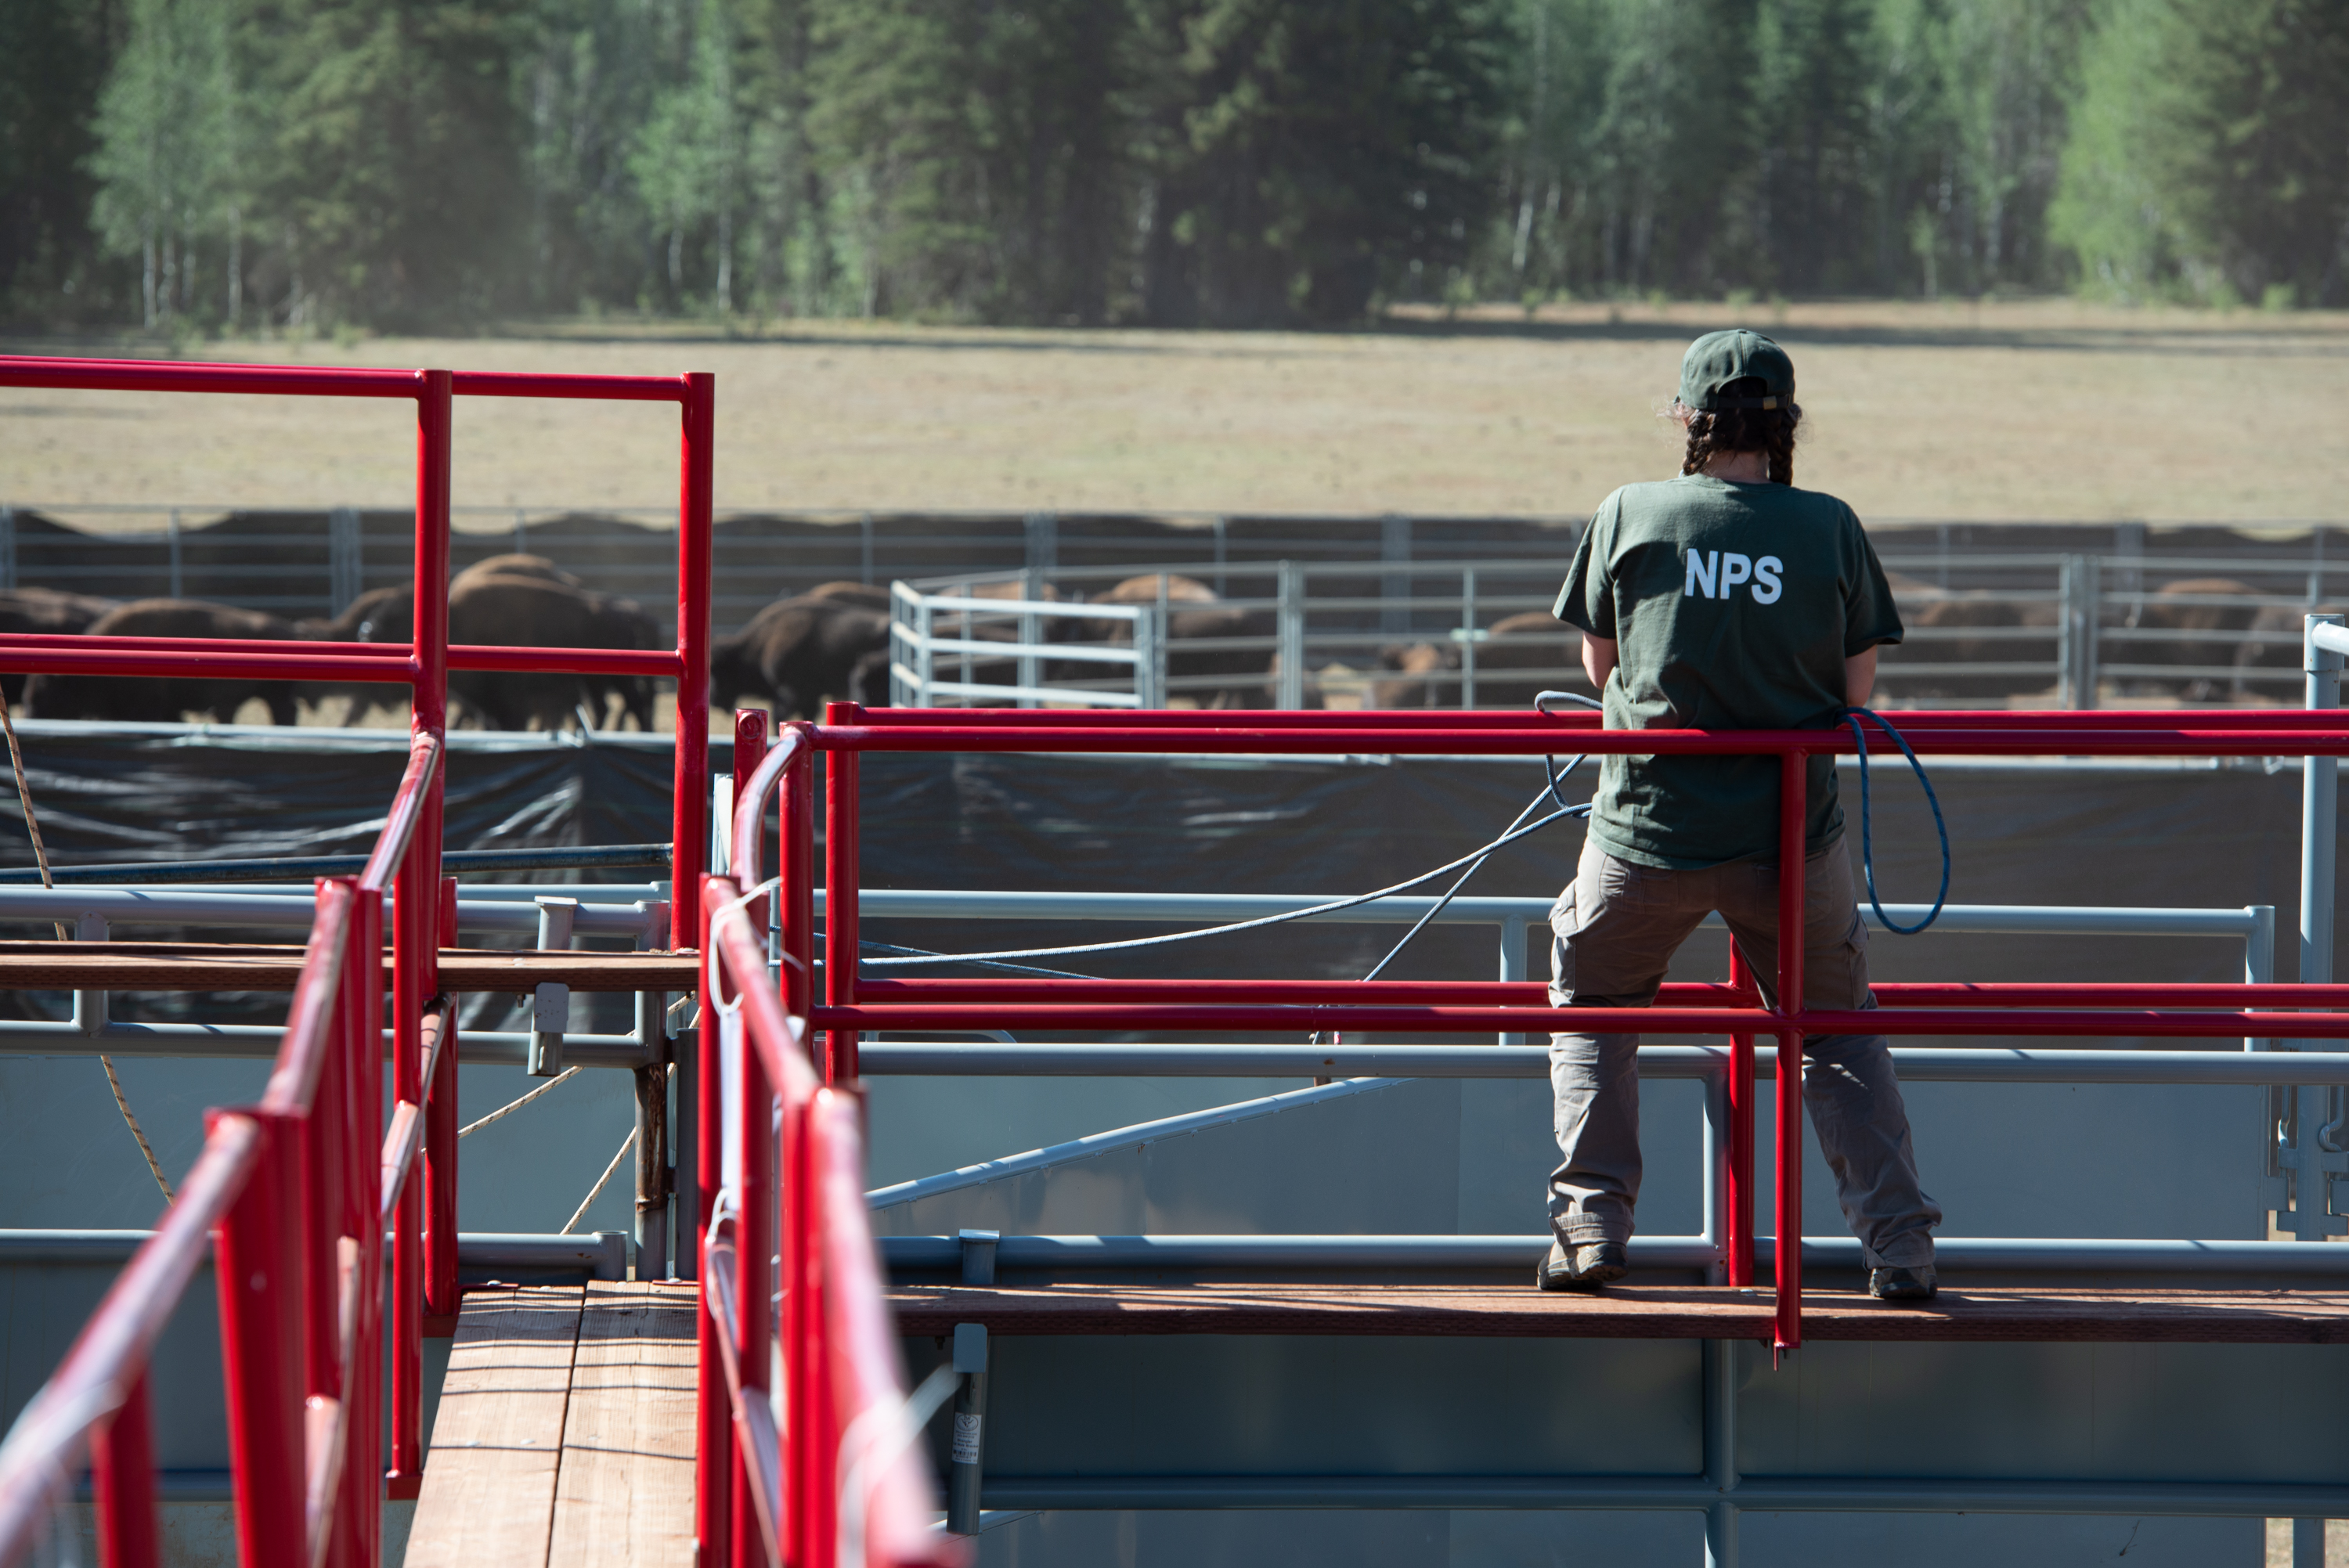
(2036, 410)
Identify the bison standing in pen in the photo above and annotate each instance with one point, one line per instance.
(800, 652)
(512, 601)
(1520, 657)
(143, 699)
(49, 610)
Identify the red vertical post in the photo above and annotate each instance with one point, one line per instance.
(322, 1180)
(258, 1273)
(750, 750)
(122, 1474)
(363, 1390)
(751, 1250)
(810, 1465)
(415, 970)
(1794, 772)
(802, 1345)
(754, 1246)
(841, 874)
(713, 1461)
(429, 705)
(416, 919)
(440, 1173)
(815, 1409)
(1738, 1217)
(795, 858)
(691, 784)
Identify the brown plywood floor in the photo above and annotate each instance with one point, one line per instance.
(1630, 1312)
(564, 1432)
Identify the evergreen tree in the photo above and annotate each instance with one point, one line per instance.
(168, 129)
(688, 156)
(1311, 157)
(979, 152)
(400, 159)
(52, 61)
(2210, 157)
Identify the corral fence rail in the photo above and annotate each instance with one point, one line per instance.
(2068, 630)
(314, 562)
(295, 1196)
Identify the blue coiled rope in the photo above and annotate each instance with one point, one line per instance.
(1852, 715)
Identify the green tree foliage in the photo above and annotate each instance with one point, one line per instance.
(169, 138)
(52, 61)
(398, 158)
(1309, 157)
(2211, 155)
(1223, 162)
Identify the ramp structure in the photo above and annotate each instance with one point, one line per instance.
(572, 1418)
(566, 1430)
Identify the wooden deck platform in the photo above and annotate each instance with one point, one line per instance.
(565, 1431)
(1630, 1312)
(273, 967)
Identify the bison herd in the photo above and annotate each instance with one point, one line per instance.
(833, 642)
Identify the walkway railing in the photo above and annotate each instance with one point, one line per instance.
(2032, 625)
(299, 1202)
(825, 1468)
(299, 1189)
(1736, 1009)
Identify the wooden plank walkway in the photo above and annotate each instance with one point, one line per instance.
(1630, 1312)
(565, 1431)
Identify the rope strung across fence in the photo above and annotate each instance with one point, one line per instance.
(560, 1078)
(41, 858)
(1474, 856)
(581, 1212)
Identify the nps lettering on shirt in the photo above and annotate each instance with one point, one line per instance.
(1718, 573)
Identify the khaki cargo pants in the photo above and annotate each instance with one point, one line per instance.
(1614, 930)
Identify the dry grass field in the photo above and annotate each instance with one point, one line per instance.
(2037, 410)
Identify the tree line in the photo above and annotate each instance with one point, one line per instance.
(202, 165)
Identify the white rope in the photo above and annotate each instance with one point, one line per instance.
(877, 1437)
(41, 857)
(626, 1144)
(472, 1127)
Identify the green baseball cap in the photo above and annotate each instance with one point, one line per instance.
(1718, 359)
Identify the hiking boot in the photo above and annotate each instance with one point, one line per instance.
(1903, 1284)
(1586, 1265)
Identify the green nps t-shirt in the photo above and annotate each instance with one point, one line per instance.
(1733, 607)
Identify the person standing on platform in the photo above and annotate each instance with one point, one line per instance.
(1724, 599)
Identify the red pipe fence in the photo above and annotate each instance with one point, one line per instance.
(807, 1443)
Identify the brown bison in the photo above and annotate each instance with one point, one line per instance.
(534, 613)
(2197, 621)
(2272, 643)
(141, 700)
(518, 565)
(863, 596)
(1977, 627)
(491, 609)
(800, 652)
(1520, 657)
(46, 610)
(1200, 665)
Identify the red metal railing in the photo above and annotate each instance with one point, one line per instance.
(299, 1190)
(299, 1198)
(823, 1469)
(1736, 1009)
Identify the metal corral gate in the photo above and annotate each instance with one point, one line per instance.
(295, 1195)
(2059, 628)
(855, 1007)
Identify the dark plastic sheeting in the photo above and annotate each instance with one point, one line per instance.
(2155, 836)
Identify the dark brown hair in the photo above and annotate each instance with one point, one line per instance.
(1770, 430)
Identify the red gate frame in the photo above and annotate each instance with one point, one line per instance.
(300, 1298)
(1736, 1009)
